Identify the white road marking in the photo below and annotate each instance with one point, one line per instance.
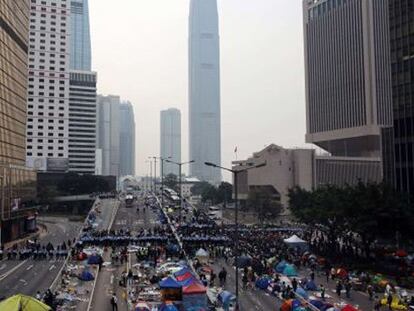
(29, 267)
(2, 277)
(52, 267)
(112, 279)
(3, 266)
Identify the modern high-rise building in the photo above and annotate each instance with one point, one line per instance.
(107, 135)
(348, 86)
(48, 94)
(402, 64)
(80, 45)
(170, 142)
(204, 90)
(17, 183)
(82, 122)
(127, 139)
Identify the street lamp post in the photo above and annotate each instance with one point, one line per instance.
(236, 216)
(180, 183)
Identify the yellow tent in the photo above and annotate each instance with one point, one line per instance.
(23, 303)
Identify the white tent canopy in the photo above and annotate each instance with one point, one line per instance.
(201, 253)
(294, 239)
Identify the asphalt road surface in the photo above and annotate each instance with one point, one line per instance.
(29, 276)
(109, 277)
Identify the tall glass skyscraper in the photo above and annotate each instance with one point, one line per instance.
(80, 46)
(204, 90)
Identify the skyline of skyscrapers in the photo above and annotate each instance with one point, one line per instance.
(80, 45)
(170, 139)
(127, 139)
(204, 90)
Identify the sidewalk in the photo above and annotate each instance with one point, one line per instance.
(41, 230)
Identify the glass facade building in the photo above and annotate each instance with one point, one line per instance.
(80, 50)
(402, 64)
(17, 184)
(14, 31)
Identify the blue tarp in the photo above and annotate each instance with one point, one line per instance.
(301, 292)
(225, 297)
(169, 282)
(86, 276)
(95, 260)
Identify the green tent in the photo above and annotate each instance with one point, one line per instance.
(23, 303)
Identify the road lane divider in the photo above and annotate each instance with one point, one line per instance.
(2, 277)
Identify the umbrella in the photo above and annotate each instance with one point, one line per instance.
(142, 306)
(349, 308)
(401, 253)
(23, 303)
(342, 273)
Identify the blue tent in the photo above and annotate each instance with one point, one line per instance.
(168, 307)
(317, 303)
(296, 304)
(169, 282)
(280, 266)
(86, 276)
(290, 270)
(94, 260)
(187, 282)
(262, 283)
(311, 286)
(182, 271)
(301, 292)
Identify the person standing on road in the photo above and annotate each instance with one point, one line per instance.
(114, 302)
(348, 287)
(294, 284)
(322, 288)
(338, 288)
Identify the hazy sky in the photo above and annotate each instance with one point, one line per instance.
(140, 53)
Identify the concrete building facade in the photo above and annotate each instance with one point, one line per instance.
(348, 81)
(127, 139)
(82, 122)
(107, 136)
(170, 140)
(48, 85)
(285, 169)
(204, 90)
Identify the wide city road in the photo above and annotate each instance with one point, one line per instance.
(30, 276)
(109, 277)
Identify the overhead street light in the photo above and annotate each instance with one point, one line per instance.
(180, 182)
(235, 173)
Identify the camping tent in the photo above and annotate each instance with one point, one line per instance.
(188, 281)
(311, 286)
(295, 241)
(195, 297)
(202, 255)
(142, 306)
(168, 306)
(226, 299)
(182, 271)
(169, 282)
(263, 283)
(301, 292)
(23, 303)
(281, 266)
(184, 276)
(86, 276)
(290, 270)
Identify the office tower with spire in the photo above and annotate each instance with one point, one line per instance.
(204, 90)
